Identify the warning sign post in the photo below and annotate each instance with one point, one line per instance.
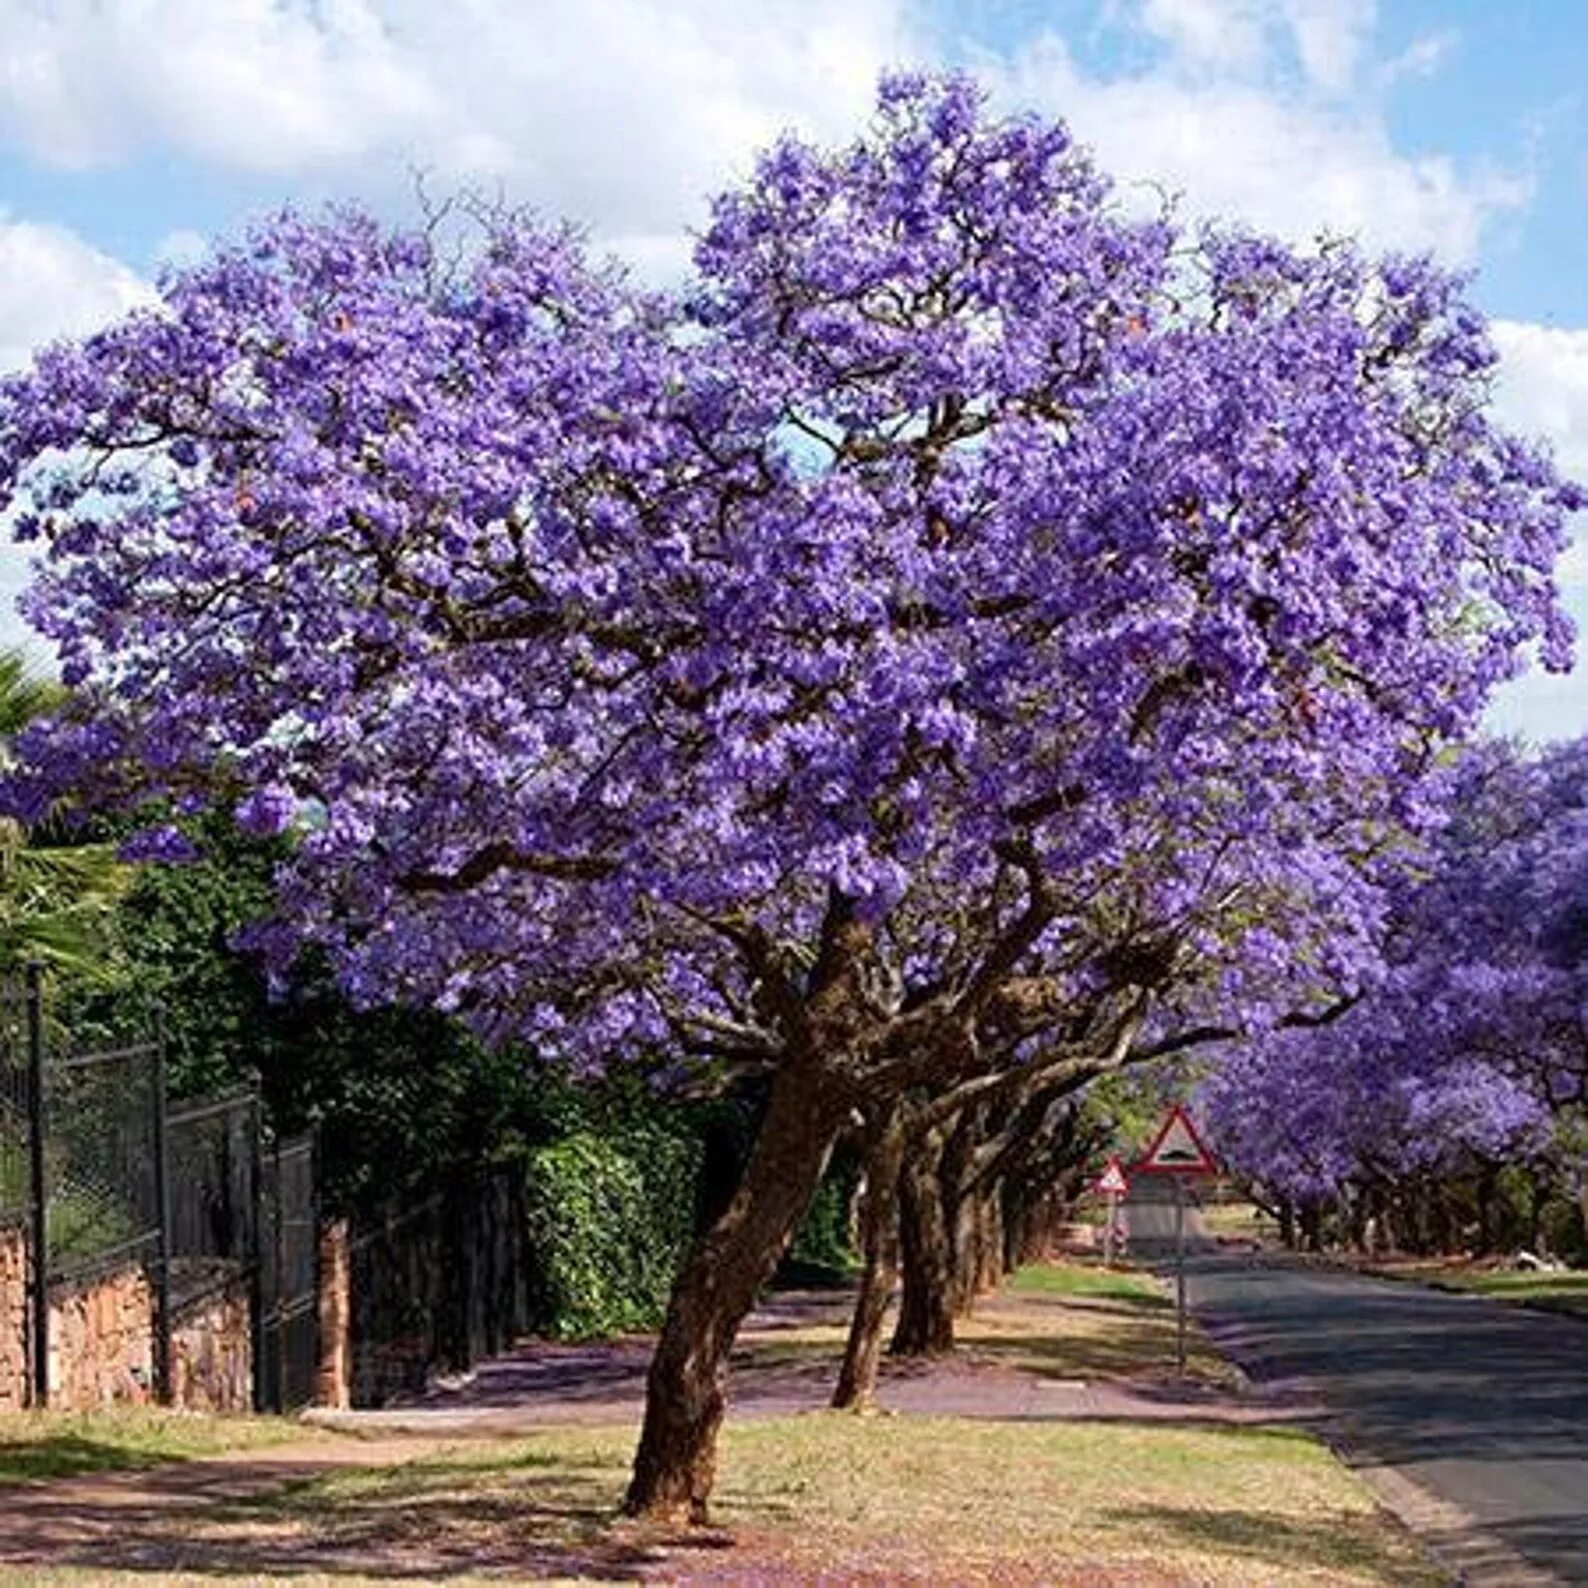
(1178, 1151)
(1113, 1183)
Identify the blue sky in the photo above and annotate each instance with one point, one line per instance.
(130, 130)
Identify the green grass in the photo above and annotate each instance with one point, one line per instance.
(831, 1496)
(1559, 1291)
(42, 1445)
(817, 1497)
(1089, 1280)
(1236, 1221)
(1066, 1319)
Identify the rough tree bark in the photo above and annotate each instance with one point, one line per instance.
(926, 1250)
(879, 1227)
(686, 1387)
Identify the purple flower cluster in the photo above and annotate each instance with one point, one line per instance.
(1473, 1046)
(950, 514)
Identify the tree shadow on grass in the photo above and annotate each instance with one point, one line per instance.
(1346, 1542)
(1125, 1349)
(67, 1455)
(527, 1517)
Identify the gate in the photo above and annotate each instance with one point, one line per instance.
(287, 1332)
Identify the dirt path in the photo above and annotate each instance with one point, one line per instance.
(787, 1363)
(168, 1519)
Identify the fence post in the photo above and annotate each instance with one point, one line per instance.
(256, 1289)
(39, 1289)
(334, 1306)
(162, 1255)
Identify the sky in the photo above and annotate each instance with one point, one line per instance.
(133, 130)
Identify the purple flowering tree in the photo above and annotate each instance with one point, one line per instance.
(965, 612)
(1471, 1052)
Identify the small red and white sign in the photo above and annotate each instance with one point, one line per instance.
(1177, 1149)
(1113, 1182)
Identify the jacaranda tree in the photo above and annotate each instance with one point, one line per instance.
(1469, 1054)
(961, 613)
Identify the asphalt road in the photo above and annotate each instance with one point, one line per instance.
(1481, 1405)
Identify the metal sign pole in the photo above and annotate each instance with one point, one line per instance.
(1108, 1230)
(1179, 1274)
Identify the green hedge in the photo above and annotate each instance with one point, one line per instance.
(609, 1219)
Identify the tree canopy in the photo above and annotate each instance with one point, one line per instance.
(965, 612)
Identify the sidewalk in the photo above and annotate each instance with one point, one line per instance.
(541, 1383)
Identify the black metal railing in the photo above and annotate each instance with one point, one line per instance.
(107, 1172)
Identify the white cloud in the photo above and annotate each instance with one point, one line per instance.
(621, 113)
(626, 113)
(244, 83)
(1237, 145)
(1421, 58)
(182, 247)
(1543, 391)
(1220, 35)
(52, 284)
(1327, 37)
(1330, 38)
(1543, 387)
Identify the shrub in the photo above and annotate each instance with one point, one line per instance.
(609, 1219)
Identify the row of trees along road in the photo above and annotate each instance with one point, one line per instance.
(1446, 1110)
(969, 626)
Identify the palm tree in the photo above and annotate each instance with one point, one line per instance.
(57, 900)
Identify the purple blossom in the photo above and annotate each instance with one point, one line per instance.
(950, 533)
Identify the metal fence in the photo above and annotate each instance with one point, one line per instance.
(437, 1283)
(109, 1177)
(286, 1336)
(109, 1174)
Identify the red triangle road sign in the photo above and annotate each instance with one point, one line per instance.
(1113, 1182)
(1177, 1148)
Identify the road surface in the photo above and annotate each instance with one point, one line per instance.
(1481, 1405)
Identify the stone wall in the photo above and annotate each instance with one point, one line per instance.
(14, 1390)
(212, 1351)
(102, 1338)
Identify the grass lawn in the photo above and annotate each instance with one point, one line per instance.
(816, 1497)
(36, 1445)
(827, 1497)
(1236, 1221)
(1073, 1278)
(1564, 1291)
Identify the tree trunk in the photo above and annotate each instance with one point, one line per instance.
(676, 1462)
(926, 1248)
(1484, 1195)
(1312, 1226)
(966, 1230)
(879, 1234)
(1287, 1223)
(988, 1270)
